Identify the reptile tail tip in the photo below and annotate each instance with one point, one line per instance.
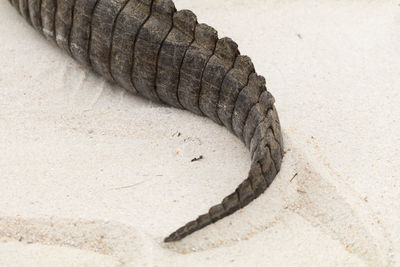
(172, 238)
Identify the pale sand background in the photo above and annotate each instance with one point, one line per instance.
(93, 176)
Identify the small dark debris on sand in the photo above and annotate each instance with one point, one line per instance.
(197, 159)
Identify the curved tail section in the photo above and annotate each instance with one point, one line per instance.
(266, 163)
(164, 54)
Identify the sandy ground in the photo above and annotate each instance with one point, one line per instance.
(93, 176)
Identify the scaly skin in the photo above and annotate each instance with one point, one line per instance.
(149, 47)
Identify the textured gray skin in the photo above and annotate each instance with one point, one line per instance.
(24, 10)
(246, 99)
(103, 23)
(171, 56)
(35, 14)
(216, 69)
(82, 30)
(261, 110)
(127, 27)
(147, 46)
(63, 23)
(48, 11)
(194, 63)
(232, 85)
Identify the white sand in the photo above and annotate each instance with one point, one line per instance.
(93, 176)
